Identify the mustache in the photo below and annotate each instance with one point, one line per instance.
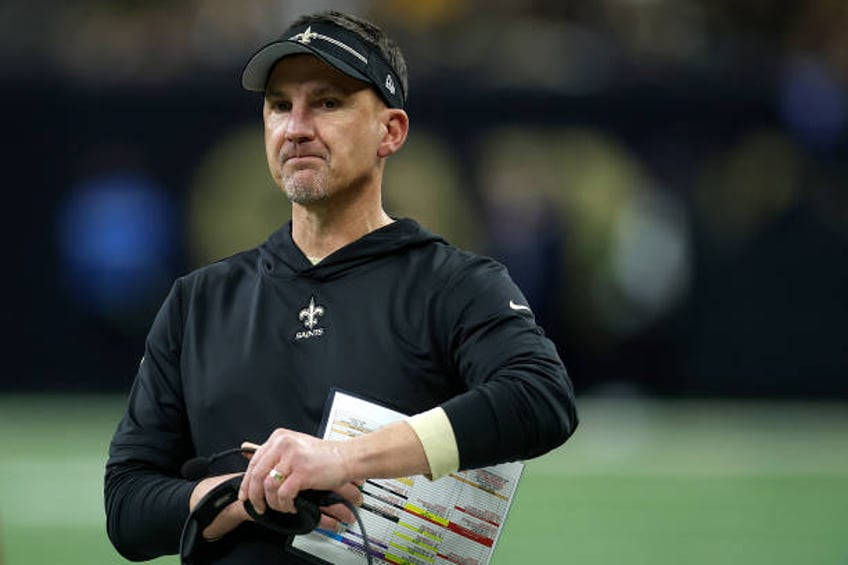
(299, 150)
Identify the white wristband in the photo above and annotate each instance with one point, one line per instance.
(435, 433)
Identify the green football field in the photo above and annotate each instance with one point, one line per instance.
(641, 482)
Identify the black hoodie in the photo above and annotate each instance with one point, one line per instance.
(256, 341)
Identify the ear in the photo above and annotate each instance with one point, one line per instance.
(396, 127)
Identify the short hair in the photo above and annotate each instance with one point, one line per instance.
(367, 32)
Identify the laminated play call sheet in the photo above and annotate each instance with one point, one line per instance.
(412, 520)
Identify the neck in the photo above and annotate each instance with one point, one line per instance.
(320, 230)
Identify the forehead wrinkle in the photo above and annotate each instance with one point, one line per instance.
(313, 87)
(319, 89)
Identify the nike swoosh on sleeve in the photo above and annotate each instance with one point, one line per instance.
(518, 307)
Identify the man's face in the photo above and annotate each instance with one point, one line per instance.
(322, 130)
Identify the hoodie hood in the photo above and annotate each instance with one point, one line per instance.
(280, 257)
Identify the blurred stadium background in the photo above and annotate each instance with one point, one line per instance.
(666, 179)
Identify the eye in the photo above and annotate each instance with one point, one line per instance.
(330, 103)
(278, 104)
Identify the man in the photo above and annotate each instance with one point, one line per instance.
(344, 296)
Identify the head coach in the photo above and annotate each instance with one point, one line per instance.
(344, 296)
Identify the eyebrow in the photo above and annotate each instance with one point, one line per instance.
(322, 90)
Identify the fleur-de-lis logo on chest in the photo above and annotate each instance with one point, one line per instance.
(309, 315)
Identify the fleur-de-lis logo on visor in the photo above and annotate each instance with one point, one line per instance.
(305, 36)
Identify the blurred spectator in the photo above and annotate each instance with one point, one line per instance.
(233, 204)
(524, 230)
(115, 237)
(747, 186)
(769, 297)
(812, 103)
(423, 181)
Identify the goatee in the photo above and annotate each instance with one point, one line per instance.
(306, 190)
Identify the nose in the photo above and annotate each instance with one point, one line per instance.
(300, 126)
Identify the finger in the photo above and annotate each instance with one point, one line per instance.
(331, 524)
(257, 472)
(351, 492)
(248, 449)
(248, 476)
(280, 491)
(340, 512)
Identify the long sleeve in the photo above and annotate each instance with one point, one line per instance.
(146, 500)
(520, 400)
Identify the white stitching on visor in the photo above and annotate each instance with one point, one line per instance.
(308, 35)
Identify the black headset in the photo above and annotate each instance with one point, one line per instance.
(306, 519)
